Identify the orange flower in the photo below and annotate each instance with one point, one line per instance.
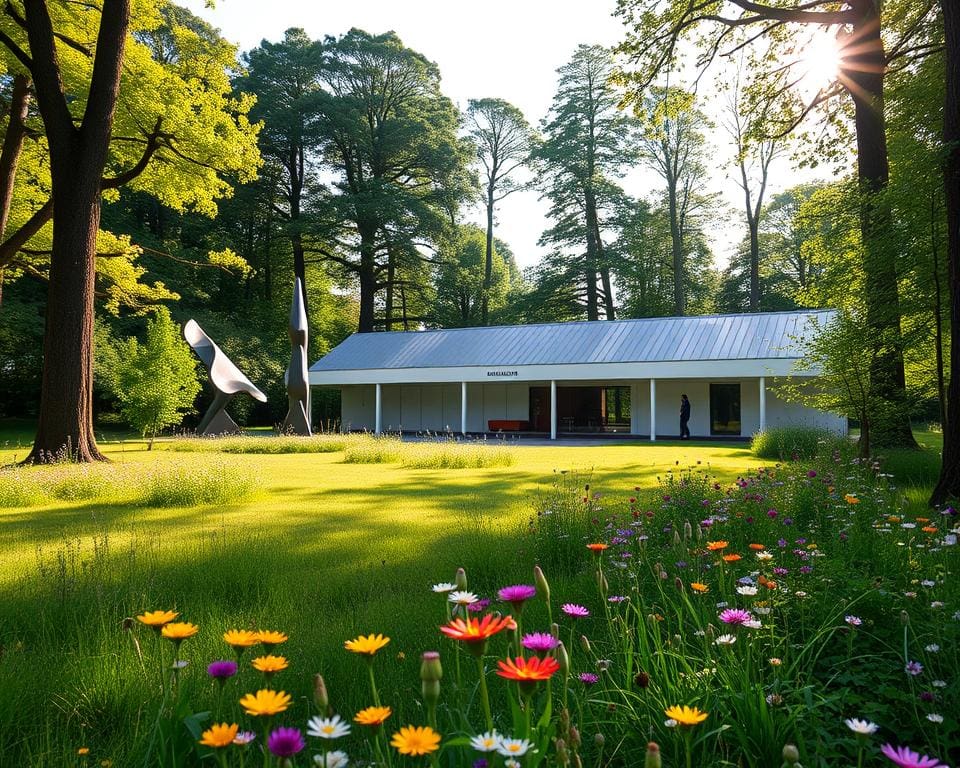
(269, 664)
(239, 639)
(716, 546)
(476, 631)
(765, 582)
(157, 619)
(372, 715)
(265, 702)
(179, 631)
(696, 586)
(528, 672)
(270, 638)
(851, 499)
(731, 558)
(757, 547)
(928, 529)
(219, 736)
(922, 519)
(597, 547)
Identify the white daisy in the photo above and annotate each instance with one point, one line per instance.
(444, 586)
(933, 717)
(513, 747)
(327, 727)
(486, 742)
(747, 590)
(335, 759)
(463, 598)
(725, 640)
(861, 727)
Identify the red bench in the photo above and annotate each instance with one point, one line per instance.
(507, 425)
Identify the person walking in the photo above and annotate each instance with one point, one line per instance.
(684, 417)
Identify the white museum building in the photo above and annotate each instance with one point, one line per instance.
(579, 378)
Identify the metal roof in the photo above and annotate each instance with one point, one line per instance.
(756, 336)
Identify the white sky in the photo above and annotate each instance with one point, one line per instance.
(498, 48)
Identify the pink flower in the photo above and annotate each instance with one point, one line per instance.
(572, 609)
(539, 642)
(907, 758)
(517, 595)
(735, 616)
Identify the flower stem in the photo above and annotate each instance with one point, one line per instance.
(484, 696)
(373, 682)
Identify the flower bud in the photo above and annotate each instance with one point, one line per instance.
(577, 762)
(585, 643)
(904, 618)
(565, 721)
(602, 584)
(320, 696)
(791, 755)
(687, 531)
(653, 756)
(563, 659)
(641, 679)
(563, 757)
(555, 630)
(676, 537)
(543, 588)
(599, 739)
(574, 737)
(430, 668)
(461, 580)
(678, 583)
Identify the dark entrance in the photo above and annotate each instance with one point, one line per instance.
(725, 408)
(582, 409)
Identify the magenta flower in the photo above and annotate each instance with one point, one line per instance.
(913, 668)
(853, 621)
(222, 670)
(539, 642)
(480, 606)
(286, 742)
(588, 678)
(577, 611)
(735, 616)
(517, 595)
(907, 758)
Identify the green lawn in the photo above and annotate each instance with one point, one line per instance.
(326, 551)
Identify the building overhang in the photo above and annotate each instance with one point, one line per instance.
(679, 369)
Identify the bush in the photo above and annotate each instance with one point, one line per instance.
(792, 442)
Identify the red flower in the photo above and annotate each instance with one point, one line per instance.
(528, 670)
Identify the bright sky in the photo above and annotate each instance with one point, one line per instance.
(508, 49)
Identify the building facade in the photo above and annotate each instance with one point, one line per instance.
(611, 377)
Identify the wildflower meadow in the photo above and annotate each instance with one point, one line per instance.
(797, 613)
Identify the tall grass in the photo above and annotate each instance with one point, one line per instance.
(323, 443)
(444, 454)
(171, 485)
(792, 442)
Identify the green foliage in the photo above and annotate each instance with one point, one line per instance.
(156, 382)
(791, 442)
(248, 444)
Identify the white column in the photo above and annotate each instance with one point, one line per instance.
(763, 403)
(378, 411)
(653, 410)
(463, 408)
(553, 410)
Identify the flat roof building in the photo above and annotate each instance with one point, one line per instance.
(622, 376)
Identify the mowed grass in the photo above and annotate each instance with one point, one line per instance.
(328, 550)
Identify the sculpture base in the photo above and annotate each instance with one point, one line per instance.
(296, 422)
(221, 424)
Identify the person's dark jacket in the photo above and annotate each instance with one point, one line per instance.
(685, 410)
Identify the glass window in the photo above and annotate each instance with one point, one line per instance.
(725, 408)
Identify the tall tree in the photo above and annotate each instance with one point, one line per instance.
(285, 77)
(948, 484)
(81, 66)
(656, 27)
(504, 142)
(674, 146)
(390, 138)
(588, 143)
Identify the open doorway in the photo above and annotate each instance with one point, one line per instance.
(582, 409)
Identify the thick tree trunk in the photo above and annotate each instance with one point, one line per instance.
(938, 313)
(391, 276)
(592, 260)
(676, 247)
(605, 280)
(866, 65)
(12, 146)
(77, 159)
(754, 265)
(948, 485)
(488, 262)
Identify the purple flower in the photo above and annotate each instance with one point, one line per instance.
(541, 642)
(781, 543)
(222, 670)
(588, 678)
(681, 564)
(735, 616)
(788, 521)
(286, 742)
(480, 763)
(479, 606)
(517, 595)
(577, 611)
(772, 513)
(853, 621)
(616, 599)
(927, 696)
(913, 668)
(907, 758)
(244, 737)
(778, 571)
(806, 569)
(811, 474)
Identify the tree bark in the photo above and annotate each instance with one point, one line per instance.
(676, 247)
(948, 484)
(368, 278)
(864, 69)
(12, 146)
(592, 260)
(77, 159)
(488, 262)
(295, 169)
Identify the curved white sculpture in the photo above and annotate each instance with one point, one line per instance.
(227, 380)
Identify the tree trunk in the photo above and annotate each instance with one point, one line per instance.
(488, 263)
(77, 160)
(368, 279)
(295, 169)
(592, 262)
(676, 243)
(604, 274)
(948, 484)
(391, 276)
(12, 146)
(754, 264)
(864, 68)
(938, 314)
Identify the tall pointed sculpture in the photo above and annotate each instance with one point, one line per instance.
(298, 386)
(225, 377)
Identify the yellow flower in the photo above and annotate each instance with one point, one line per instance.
(696, 586)
(269, 664)
(179, 630)
(157, 619)
(368, 645)
(372, 715)
(219, 736)
(270, 638)
(416, 740)
(851, 499)
(686, 715)
(716, 546)
(83, 751)
(265, 702)
(238, 639)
